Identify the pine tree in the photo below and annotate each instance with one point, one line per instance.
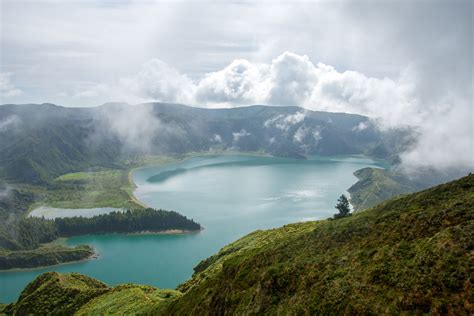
(343, 207)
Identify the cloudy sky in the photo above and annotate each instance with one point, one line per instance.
(402, 62)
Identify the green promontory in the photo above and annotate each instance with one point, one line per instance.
(56, 294)
(53, 293)
(43, 256)
(410, 255)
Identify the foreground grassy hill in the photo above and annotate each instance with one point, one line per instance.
(412, 254)
(64, 294)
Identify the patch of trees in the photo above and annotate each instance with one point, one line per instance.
(125, 222)
(33, 231)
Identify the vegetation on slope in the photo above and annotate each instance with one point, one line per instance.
(377, 185)
(53, 293)
(104, 188)
(56, 294)
(411, 254)
(130, 299)
(43, 256)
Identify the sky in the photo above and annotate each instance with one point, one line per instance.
(399, 62)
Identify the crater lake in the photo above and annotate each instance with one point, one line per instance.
(229, 195)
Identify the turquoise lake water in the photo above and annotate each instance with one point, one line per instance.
(230, 195)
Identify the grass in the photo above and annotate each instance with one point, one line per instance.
(53, 293)
(377, 185)
(129, 299)
(110, 188)
(102, 188)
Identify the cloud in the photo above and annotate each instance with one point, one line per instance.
(216, 138)
(284, 122)
(236, 84)
(9, 123)
(7, 88)
(135, 126)
(360, 127)
(156, 81)
(238, 135)
(292, 79)
(160, 82)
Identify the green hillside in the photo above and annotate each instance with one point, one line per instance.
(53, 293)
(376, 185)
(412, 254)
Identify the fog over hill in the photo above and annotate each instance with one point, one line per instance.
(44, 141)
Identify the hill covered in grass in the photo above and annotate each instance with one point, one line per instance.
(376, 185)
(66, 294)
(412, 254)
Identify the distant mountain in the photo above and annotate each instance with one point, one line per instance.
(43, 141)
(409, 255)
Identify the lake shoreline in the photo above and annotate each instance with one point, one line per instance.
(95, 255)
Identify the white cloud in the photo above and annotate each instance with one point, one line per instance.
(300, 134)
(135, 126)
(238, 135)
(160, 82)
(236, 84)
(360, 127)
(292, 79)
(284, 122)
(9, 122)
(7, 88)
(217, 138)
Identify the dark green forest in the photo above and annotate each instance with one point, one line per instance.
(129, 221)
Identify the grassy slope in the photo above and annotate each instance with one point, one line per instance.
(411, 254)
(98, 188)
(129, 299)
(108, 188)
(57, 294)
(377, 185)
